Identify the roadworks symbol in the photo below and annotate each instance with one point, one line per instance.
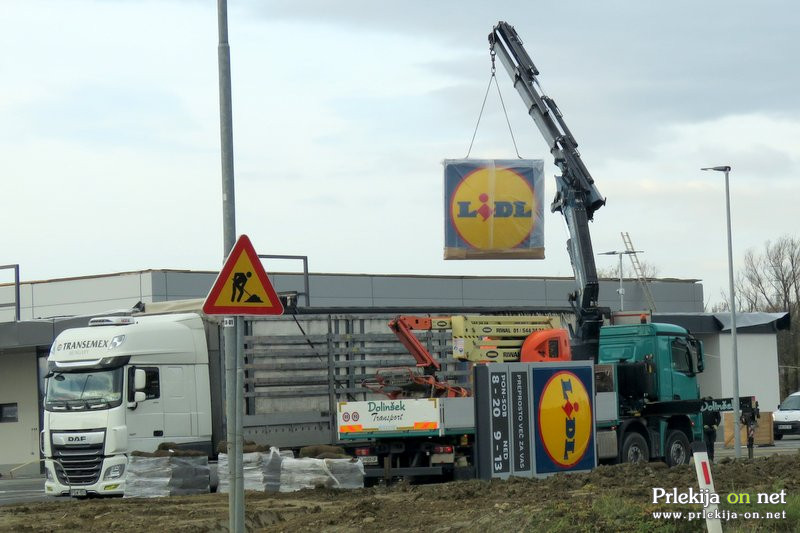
(239, 281)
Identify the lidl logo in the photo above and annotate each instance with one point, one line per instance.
(565, 419)
(493, 207)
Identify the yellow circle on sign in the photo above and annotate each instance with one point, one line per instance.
(565, 418)
(492, 209)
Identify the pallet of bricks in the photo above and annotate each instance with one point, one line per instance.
(166, 472)
(270, 469)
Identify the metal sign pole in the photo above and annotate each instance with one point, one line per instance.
(241, 265)
(239, 419)
(230, 416)
(229, 236)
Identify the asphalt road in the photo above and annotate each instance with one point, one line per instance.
(22, 490)
(32, 489)
(788, 444)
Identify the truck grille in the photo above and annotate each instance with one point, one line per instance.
(78, 465)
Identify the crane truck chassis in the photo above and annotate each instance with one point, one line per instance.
(647, 402)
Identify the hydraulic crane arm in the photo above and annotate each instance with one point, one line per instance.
(486, 338)
(404, 382)
(577, 198)
(403, 327)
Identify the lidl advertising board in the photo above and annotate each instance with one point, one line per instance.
(493, 209)
(534, 419)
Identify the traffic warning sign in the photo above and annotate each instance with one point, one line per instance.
(242, 287)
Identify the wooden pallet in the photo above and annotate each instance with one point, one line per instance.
(763, 434)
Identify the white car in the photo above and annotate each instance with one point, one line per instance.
(786, 420)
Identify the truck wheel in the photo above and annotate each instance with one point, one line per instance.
(778, 436)
(634, 449)
(677, 448)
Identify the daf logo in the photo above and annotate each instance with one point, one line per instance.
(78, 439)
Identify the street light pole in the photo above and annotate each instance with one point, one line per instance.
(621, 291)
(737, 437)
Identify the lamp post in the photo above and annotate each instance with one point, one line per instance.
(737, 437)
(621, 291)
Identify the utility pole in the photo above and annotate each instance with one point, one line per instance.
(230, 331)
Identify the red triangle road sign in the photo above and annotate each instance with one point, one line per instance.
(242, 287)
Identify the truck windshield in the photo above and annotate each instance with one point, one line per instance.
(681, 361)
(95, 389)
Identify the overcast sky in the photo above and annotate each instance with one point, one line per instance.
(344, 111)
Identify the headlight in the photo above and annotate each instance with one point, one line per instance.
(49, 474)
(114, 472)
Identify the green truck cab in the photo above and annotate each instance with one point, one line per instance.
(648, 396)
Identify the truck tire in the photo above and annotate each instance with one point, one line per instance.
(677, 450)
(634, 449)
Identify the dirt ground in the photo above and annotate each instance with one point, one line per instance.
(613, 498)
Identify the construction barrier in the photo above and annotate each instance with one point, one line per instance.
(763, 436)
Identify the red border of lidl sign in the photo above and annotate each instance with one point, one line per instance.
(271, 307)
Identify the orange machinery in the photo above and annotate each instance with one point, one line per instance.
(476, 339)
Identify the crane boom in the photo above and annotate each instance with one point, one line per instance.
(577, 197)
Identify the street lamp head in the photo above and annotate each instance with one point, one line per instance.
(625, 252)
(718, 169)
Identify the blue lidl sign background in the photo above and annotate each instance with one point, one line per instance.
(564, 414)
(534, 419)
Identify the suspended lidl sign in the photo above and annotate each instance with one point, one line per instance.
(493, 209)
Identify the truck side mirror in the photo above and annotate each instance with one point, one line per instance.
(138, 396)
(139, 381)
(696, 346)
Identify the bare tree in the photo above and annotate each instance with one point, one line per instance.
(771, 281)
(649, 270)
(722, 306)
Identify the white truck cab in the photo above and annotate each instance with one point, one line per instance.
(119, 385)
